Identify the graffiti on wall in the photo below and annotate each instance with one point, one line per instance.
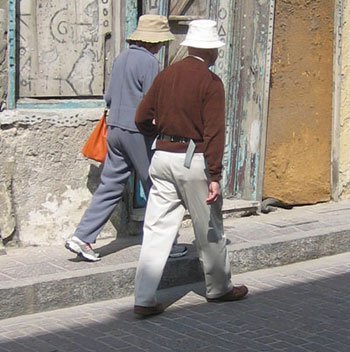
(62, 47)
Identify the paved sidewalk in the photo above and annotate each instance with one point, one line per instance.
(42, 278)
(302, 307)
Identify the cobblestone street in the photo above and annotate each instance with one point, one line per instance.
(294, 308)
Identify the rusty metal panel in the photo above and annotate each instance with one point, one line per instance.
(62, 47)
(249, 89)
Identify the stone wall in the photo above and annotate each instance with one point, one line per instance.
(45, 182)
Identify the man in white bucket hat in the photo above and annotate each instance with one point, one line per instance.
(133, 73)
(185, 108)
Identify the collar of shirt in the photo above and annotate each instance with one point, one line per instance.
(197, 57)
(136, 47)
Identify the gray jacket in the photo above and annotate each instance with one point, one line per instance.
(132, 75)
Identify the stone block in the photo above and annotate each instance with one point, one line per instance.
(7, 218)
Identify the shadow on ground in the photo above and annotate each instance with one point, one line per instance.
(313, 316)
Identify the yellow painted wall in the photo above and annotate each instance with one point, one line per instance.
(299, 125)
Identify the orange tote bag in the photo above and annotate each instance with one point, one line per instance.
(95, 147)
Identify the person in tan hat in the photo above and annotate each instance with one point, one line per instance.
(185, 109)
(132, 74)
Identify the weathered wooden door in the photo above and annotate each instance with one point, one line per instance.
(248, 92)
(62, 47)
(244, 66)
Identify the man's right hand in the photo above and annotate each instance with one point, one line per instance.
(214, 192)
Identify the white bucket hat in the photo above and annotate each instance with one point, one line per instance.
(203, 34)
(152, 29)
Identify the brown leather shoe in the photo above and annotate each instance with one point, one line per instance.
(147, 311)
(237, 293)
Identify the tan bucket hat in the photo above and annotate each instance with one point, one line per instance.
(152, 29)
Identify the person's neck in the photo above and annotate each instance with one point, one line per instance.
(200, 55)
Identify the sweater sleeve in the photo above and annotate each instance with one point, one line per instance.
(145, 113)
(214, 128)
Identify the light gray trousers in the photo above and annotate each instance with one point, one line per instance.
(127, 151)
(175, 188)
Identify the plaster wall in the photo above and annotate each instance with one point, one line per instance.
(45, 182)
(298, 149)
(344, 138)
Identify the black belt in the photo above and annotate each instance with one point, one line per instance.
(175, 139)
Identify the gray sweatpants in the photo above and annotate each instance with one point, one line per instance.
(127, 151)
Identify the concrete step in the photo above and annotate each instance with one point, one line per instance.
(45, 278)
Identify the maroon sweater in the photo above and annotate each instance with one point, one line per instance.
(187, 100)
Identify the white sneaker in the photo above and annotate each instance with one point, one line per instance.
(77, 246)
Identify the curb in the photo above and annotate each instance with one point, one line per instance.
(57, 291)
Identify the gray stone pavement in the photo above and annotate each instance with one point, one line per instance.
(35, 279)
(301, 307)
